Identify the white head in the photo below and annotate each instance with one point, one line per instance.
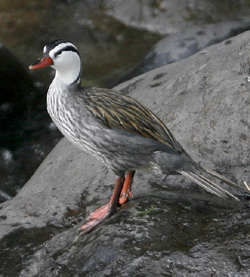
(64, 58)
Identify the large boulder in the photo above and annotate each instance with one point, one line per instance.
(170, 227)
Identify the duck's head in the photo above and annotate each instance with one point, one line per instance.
(63, 56)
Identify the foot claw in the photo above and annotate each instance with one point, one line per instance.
(99, 213)
(125, 197)
(95, 219)
(130, 194)
(119, 196)
(91, 225)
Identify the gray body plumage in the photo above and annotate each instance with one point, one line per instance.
(118, 149)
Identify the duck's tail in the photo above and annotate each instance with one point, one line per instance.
(212, 187)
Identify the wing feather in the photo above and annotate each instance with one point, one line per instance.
(115, 110)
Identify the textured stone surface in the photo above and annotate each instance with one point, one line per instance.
(184, 43)
(170, 17)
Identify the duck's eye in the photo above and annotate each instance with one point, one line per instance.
(57, 53)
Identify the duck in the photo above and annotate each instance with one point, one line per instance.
(118, 130)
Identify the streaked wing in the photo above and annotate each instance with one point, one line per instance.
(115, 110)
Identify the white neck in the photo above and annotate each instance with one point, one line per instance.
(68, 67)
(68, 77)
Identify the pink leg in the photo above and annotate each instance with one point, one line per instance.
(98, 216)
(126, 190)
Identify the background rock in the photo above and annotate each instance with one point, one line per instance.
(183, 44)
(170, 227)
(167, 17)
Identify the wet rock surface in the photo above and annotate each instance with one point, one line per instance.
(170, 227)
(156, 236)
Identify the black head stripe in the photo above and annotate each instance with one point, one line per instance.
(67, 48)
(52, 45)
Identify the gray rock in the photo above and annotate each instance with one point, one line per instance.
(170, 227)
(170, 17)
(183, 44)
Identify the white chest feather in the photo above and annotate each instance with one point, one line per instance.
(61, 111)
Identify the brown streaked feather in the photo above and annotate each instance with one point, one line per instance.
(115, 110)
